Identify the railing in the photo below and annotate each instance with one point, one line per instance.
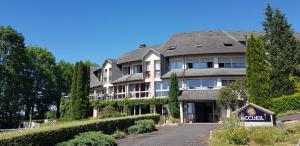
(139, 94)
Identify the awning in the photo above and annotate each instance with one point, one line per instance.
(198, 95)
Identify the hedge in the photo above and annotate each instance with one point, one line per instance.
(130, 102)
(52, 135)
(286, 103)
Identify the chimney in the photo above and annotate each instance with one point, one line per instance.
(142, 45)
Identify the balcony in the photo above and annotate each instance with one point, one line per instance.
(139, 94)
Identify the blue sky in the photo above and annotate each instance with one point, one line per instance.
(93, 30)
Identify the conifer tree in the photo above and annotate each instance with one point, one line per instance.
(281, 48)
(173, 97)
(258, 78)
(80, 90)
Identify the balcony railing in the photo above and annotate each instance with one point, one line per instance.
(139, 94)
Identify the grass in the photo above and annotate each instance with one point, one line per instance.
(288, 113)
(266, 136)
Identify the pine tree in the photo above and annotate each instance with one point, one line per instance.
(173, 97)
(281, 48)
(258, 78)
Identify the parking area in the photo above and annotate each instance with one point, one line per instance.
(183, 135)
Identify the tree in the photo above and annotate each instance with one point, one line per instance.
(89, 63)
(80, 90)
(258, 78)
(41, 81)
(173, 97)
(63, 73)
(12, 56)
(281, 47)
(233, 96)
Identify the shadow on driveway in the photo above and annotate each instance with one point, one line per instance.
(184, 135)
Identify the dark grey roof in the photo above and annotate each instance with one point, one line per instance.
(94, 81)
(207, 72)
(196, 95)
(211, 42)
(136, 55)
(129, 78)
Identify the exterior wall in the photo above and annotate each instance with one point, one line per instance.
(151, 57)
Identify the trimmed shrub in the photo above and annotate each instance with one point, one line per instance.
(51, 114)
(142, 126)
(119, 134)
(90, 139)
(238, 136)
(286, 103)
(109, 112)
(52, 135)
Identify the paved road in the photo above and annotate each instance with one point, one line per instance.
(290, 117)
(184, 135)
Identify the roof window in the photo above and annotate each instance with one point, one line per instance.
(198, 45)
(228, 44)
(173, 47)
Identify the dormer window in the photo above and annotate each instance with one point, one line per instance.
(126, 70)
(228, 44)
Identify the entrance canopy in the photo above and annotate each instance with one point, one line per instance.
(197, 95)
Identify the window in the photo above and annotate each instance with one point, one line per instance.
(176, 64)
(147, 72)
(126, 70)
(161, 88)
(200, 63)
(227, 82)
(110, 75)
(137, 69)
(201, 84)
(228, 44)
(232, 62)
(157, 68)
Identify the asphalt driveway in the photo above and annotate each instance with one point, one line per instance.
(184, 135)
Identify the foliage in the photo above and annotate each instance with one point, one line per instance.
(282, 51)
(65, 106)
(173, 96)
(286, 103)
(90, 138)
(233, 96)
(80, 90)
(109, 112)
(119, 134)
(63, 73)
(129, 102)
(258, 78)
(238, 136)
(51, 135)
(12, 81)
(51, 114)
(229, 124)
(40, 74)
(142, 126)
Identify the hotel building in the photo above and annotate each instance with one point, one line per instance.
(204, 62)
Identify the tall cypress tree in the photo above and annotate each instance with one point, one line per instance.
(80, 90)
(281, 46)
(173, 97)
(258, 78)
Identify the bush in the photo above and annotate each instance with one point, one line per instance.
(238, 136)
(229, 124)
(90, 139)
(65, 109)
(262, 135)
(286, 103)
(51, 114)
(109, 112)
(52, 135)
(142, 126)
(119, 134)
